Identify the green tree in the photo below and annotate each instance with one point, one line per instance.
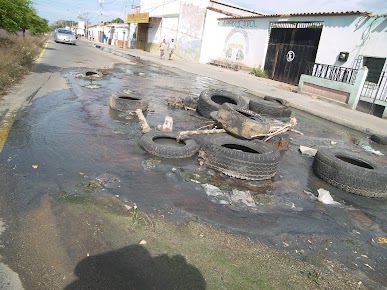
(16, 15)
(62, 23)
(117, 20)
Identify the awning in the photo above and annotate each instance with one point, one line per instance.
(138, 18)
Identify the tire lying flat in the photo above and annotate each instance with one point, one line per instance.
(127, 103)
(269, 108)
(379, 139)
(210, 100)
(242, 122)
(241, 158)
(172, 150)
(351, 172)
(277, 101)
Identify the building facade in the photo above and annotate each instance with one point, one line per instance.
(332, 46)
(185, 22)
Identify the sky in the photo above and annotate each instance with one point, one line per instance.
(70, 9)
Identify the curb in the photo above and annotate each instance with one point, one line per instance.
(332, 118)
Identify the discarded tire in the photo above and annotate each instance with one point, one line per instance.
(351, 172)
(269, 108)
(242, 122)
(241, 158)
(277, 101)
(210, 100)
(127, 103)
(155, 143)
(379, 139)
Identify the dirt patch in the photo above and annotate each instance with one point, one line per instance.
(17, 55)
(98, 229)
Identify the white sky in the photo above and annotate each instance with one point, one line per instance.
(287, 6)
(70, 9)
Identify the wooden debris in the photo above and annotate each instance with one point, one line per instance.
(167, 126)
(144, 124)
(278, 127)
(198, 132)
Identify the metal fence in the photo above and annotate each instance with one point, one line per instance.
(376, 91)
(333, 73)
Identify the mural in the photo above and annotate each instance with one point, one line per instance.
(236, 45)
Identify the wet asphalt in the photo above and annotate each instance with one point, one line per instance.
(73, 137)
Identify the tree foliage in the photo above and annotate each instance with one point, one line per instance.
(117, 20)
(16, 15)
(62, 23)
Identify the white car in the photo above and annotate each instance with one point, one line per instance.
(64, 36)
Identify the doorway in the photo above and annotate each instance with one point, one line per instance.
(292, 47)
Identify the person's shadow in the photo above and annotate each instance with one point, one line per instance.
(132, 267)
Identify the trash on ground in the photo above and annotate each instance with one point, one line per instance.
(167, 126)
(312, 196)
(236, 198)
(189, 103)
(198, 132)
(35, 166)
(278, 127)
(380, 240)
(244, 197)
(143, 242)
(308, 151)
(144, 124)
(150, 164)
(92, 86)
(325, 197)
(212, 190)
(368, 148)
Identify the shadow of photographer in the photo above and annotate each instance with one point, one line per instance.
(132, 267)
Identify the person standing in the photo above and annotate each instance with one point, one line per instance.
(171, 48)
(163, 45)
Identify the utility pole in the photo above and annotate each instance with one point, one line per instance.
(100, 33)
(86, 18)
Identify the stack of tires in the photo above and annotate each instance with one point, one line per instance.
(235, 154)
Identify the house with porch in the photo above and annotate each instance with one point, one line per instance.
(342, 54)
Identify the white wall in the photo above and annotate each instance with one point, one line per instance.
(168, 28)
(243, 41)
(159, 8)
(353, 34)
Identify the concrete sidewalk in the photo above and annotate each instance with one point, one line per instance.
(324, 108)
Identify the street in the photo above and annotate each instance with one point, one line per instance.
(73, 174)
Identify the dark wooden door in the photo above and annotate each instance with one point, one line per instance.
(142, 36)
(290, 51)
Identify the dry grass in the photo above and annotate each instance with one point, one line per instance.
(17, 55)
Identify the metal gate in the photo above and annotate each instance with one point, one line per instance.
(292, 46)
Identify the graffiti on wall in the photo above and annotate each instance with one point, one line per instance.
(243, 23)
(236, 45)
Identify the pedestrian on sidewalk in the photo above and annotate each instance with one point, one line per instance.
(171, 48)
(163, 45)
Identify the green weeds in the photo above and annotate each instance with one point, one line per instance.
(17, 55)
(259, 72)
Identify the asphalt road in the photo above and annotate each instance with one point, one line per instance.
(44, 79)
(64, 153)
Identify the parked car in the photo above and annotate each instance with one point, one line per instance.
(65, 36)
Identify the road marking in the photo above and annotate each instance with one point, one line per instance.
(42, 52)
(5, 128)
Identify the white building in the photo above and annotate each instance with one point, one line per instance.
(185, 21)
(80, 29)
(117, 34)
(329, 46)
